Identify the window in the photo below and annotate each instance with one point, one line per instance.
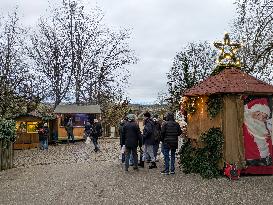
(78, 120)
(32, 127)
(27, 127)
(21, 127)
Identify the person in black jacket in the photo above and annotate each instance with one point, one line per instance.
(169, 133)
(149, 139)
(157, 136)
(96, 133)
(69, 129)
(122, 142)
(132, 139)
(87, 130)
(43, 133)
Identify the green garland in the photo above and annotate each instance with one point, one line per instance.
(218, 70)
(7, 131)
(190, 105)
(214, 105)
(204, 160)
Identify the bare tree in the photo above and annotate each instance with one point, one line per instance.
(110, 73)
(50, 52)
(191, 65)
(16, 92)
(254, 28)
(97, 56)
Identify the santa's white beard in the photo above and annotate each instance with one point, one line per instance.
(258, 130)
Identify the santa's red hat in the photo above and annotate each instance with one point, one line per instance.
(259, 104)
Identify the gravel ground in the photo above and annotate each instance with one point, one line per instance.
(74, 174)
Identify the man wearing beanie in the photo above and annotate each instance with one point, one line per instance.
(132, 139)
(149, 140)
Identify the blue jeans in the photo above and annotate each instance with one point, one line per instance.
(44, 144)
(166, 153)
(95, 142)
(131, 160)
(130, 151)
(70, 136)
(148, 153)
(156, 147)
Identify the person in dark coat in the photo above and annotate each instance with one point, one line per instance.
(132, 139)
(96, 133)
(69, 130)
(43, 133)
(87, 130)
(122, 141)
(149, 139)
(120, 130)
(169, 133)
(157, 135)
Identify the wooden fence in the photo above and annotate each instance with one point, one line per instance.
(6, 155)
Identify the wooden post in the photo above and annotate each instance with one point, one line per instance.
(10, 165)
(4, 156)
(12, 151)
(8, 155)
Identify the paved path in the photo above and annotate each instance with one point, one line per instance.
(74, 174)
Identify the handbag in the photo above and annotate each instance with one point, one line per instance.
(88, 140)
(123, 149)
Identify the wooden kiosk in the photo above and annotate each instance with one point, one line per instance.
(80, 114)
(244, 116)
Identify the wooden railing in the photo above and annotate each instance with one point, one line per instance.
(6, 155)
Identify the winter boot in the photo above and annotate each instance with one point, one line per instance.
(153, 165)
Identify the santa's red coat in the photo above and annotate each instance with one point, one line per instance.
(252, 152)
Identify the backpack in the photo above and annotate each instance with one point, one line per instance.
(156, 133)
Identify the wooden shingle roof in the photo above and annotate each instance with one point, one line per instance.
(230, 81)
(81, 109)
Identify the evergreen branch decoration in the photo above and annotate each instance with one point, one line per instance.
(203, 160)
(7, 131)
(214, 105)
(217, 70)
(220, 68)
(189, 105)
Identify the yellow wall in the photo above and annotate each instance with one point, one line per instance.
(62, 134)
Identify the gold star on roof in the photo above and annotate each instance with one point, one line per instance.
(228, 50)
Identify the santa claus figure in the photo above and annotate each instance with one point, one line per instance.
(257, 136)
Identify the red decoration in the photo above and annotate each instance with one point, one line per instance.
(232, 172)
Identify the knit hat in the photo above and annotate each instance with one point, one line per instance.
(131, 117)
(170, 116)
(156, 116)
(147, 114)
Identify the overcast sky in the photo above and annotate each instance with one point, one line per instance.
(160, 28)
